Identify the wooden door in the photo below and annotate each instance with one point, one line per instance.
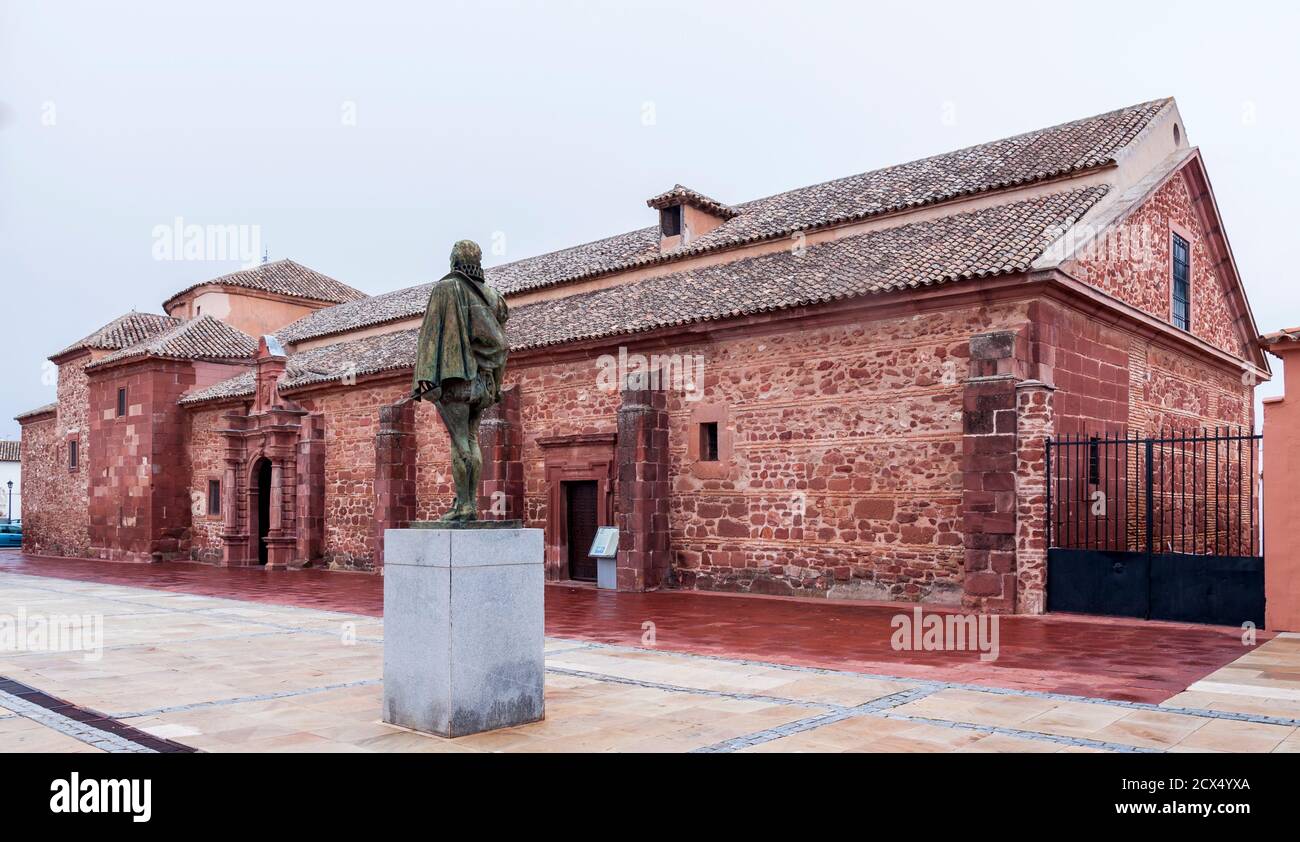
(580, 500)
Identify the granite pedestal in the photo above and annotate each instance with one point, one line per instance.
(463, 628)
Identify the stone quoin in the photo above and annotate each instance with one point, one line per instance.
(883, 358)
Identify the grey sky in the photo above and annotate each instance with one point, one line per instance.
(529, 119)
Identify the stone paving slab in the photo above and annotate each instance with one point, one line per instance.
(1114, 658)
(215, 674)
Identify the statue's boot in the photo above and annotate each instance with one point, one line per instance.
(458, 514)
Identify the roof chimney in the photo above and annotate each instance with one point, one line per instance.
(685, 216)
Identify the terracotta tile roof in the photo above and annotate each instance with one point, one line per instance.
(40, 410)
(284, 277)
(680, 195)
(1002, 239)
(354, 358)
(240, 386)
(379, 309)
(1022, 159)
(122, 332)
(9, 451)
(204, 338)
(1290, 334)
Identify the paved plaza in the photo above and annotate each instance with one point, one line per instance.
(183, 668)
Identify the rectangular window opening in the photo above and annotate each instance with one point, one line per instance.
(670, 221)
(709, 441)
(121, 402)
(1182, 298)
(214, 496)
(72, 454)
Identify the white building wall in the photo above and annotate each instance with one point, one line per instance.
(11, 471)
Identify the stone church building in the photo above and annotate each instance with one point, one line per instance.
(842, 390)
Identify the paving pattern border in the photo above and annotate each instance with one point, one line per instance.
(831, 712)
(1204, 713)
(113, 735)
(82, 724)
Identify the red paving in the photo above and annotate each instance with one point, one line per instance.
(1089, 656)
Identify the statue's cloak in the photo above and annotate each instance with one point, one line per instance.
(463, 336)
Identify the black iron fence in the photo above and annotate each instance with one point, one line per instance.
(1185, 492)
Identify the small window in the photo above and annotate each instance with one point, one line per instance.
(121, 402)
(1094, 462)
(214, 496)
(1182, 284)
(72, 454)
(709, 441)
(670, 220)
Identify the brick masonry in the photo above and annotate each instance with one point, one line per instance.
(1135, 265)
(351, 427)
(989, 488)
(1168, 387)
(1035, 422)
(643, 489)
(501, 440)
(140, 506)
(846, 475)
(395, 452)
(207, 463)
(891, 454)
(865, 497)
(56, 499)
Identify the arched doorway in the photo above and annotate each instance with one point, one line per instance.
(268, 457)
(263, 473)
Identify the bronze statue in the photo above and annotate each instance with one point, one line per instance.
(459, 365)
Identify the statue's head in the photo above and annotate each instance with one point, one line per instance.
(467, 258)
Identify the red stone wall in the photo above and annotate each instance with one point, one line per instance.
(845, 471)
(395, 468)
(1110, 380)
(644, 490)
(1135, 265)
(351, 420)
(1035, 423)
(558, 399)
(1088, 361)
(53, 509)
(847, 477)
(844, 477)
(55, 499)
(139, 465)
(207, 450)
(1172, 390)
(433, 485)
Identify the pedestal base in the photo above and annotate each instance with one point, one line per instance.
(463, 629)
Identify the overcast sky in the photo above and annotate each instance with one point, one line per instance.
(361, 139)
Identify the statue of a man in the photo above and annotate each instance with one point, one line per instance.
(460, 363)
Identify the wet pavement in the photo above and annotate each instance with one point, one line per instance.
(1109, 658)
(160, 671)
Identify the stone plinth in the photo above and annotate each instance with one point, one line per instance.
(463, 629)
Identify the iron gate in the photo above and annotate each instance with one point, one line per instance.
(1164, 528)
